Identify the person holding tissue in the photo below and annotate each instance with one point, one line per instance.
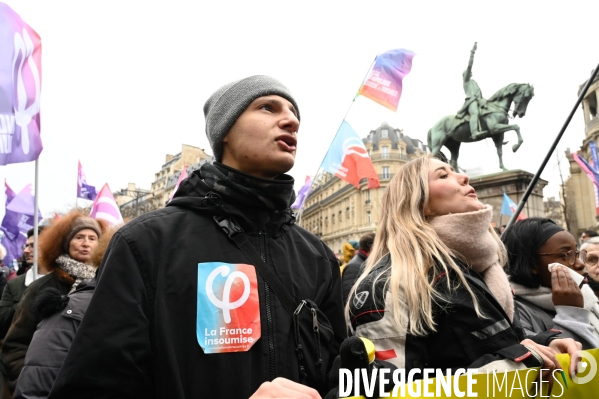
(559, 298)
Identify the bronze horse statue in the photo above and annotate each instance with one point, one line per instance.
(451, 132)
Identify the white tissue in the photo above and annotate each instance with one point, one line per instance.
(575, 276)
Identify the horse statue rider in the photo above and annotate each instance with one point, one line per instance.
(479, 119)
(474, 100)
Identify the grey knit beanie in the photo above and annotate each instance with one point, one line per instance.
(226, 104)
(79, 224)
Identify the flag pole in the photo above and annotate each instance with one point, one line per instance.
(77, 195)
(536, 177)
(35, 221)
(316, 176)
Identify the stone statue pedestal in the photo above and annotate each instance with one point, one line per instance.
(490, 189)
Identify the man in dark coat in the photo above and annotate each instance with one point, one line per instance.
(352, 270)
(180, 310)
(16, 287)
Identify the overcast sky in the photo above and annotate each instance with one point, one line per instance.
(124, 82)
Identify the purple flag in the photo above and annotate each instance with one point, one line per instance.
(14, 226)
(302, 194)
(84, 190)
(14, 249)
(10, 223)
(24, 202)
(20, 86)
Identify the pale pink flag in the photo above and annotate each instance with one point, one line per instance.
(105, 207)
(182, 176)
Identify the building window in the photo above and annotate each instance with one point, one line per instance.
(592, 101)
(340, 219)
(386, 173)
(368, 218)
(385, 133)
(385, 152)
(333, 219)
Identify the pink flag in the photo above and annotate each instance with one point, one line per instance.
(384, 82)
(182, 176)
(105, 207)
(586, 168)
(20, 86)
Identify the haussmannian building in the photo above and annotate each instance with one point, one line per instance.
(337, 211)
(580, 191)
(134, 201)
(165, 181)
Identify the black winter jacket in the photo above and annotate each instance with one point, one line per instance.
(51, 343)
(23, 327)
(351, 273)
(141, 335)
(10, 299)
(462, 339)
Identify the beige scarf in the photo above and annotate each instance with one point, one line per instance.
(468, 237)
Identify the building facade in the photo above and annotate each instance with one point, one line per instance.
(134, 201)
(554, 210)
(580, 192)
(165, 180)
(490, 189)
(337, 211)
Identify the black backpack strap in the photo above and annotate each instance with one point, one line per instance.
(235, 233)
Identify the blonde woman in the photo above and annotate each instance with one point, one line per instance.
(434, 293)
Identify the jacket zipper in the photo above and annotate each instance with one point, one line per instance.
(269, 332)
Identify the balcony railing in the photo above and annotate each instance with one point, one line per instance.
(391, 155)
(592, 124)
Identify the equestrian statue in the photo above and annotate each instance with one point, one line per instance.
(479, 118)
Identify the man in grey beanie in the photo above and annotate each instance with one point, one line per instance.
(180, 310)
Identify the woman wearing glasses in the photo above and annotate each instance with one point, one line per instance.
(550, 299)
(591, 262)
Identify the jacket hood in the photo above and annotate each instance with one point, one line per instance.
(348, 252)
(220, 190)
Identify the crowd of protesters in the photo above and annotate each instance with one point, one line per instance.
(122, 313)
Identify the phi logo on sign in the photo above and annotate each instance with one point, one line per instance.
(225, 303)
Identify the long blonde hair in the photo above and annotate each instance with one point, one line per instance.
(418, 256)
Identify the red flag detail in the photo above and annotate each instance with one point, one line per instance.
(385, 355)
